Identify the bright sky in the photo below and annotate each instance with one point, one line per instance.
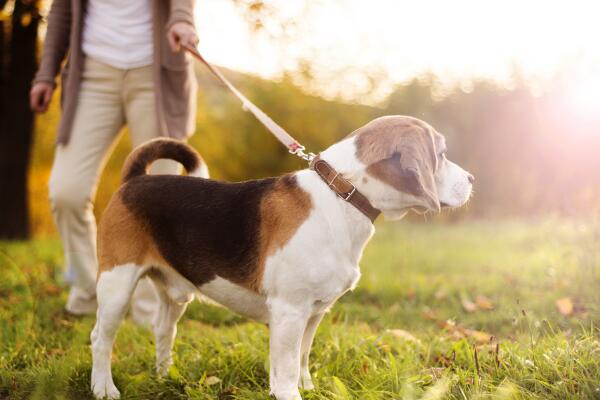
(395, 40)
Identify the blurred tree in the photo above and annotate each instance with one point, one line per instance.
(255, 12)
(18, 45)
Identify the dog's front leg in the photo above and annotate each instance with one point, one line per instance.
(287, 325)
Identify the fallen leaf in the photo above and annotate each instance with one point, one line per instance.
(446, 361)
(212, 380)
(484, 303)
(384, 347)
(458, 332)
(228, 393)
(565, 306)
(479, 336)
(51, 289)
(486, 348)
(429, 314)
(401, 333)
(55, 352)
(468, 305)
(446, 324)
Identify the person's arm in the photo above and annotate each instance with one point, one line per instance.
(55, 48)
(180, 27)
(56, 42)
(181, 11)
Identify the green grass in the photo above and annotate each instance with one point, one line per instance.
(416, 277)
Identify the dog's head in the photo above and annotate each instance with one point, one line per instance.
(400, 164)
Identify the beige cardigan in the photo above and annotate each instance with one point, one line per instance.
(174, 80)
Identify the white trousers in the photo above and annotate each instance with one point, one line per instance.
(109, 98)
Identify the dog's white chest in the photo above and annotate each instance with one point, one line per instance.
(336, 287)
(238, 299)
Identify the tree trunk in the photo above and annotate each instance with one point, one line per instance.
(19, 63)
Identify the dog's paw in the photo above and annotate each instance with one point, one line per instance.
(105, 390)
(286, 394)
(162, 369)
(306, 383)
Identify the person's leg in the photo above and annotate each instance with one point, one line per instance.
(75, 174)
(142, 123)
(140, 113)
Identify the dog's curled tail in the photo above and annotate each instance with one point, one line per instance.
(162, 148)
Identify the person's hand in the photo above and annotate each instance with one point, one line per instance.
(182, 33)
(40, 96)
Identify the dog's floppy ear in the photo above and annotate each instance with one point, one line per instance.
(410, 169)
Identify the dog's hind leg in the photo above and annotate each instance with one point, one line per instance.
(113, 290)
(172, 304)
(305, 381)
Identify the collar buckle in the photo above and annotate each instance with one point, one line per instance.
(345, 197)
(349, 195)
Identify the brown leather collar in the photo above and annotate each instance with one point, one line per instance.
(344, 188)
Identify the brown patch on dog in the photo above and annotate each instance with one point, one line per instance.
(282, 211)
(204, 228)
(123, 239)
(401, 152)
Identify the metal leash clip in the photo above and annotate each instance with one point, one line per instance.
(298, 150)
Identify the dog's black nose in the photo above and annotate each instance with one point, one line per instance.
(471, 178)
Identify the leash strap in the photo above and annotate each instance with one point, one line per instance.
(337, 183)
(285, 138)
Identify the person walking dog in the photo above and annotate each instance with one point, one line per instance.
(124, 66)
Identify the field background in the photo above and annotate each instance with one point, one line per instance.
(486, 310)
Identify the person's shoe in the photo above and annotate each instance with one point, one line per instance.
(81, 302)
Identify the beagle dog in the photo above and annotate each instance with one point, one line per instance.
(278, 250)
